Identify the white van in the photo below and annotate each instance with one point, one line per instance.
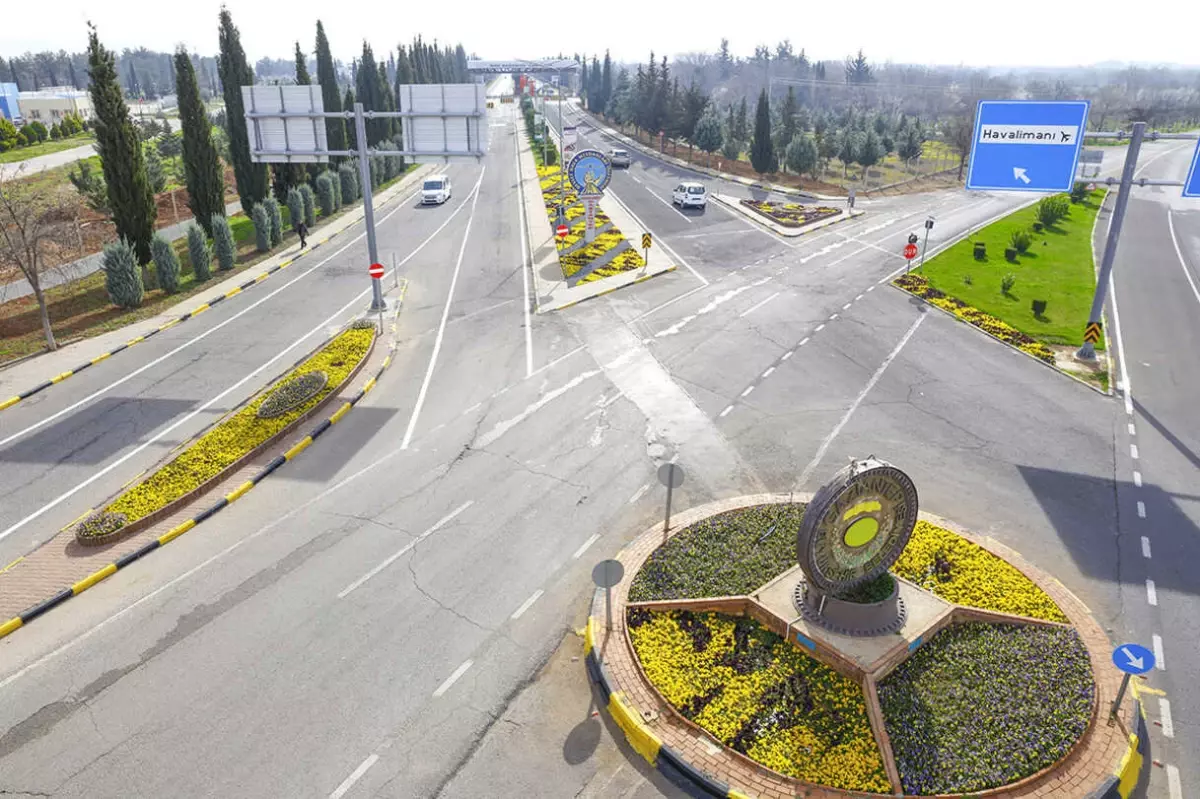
(435, 190)
(690, 195)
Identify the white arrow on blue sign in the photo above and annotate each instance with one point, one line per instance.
(1133, 659)
(1026, 145)
(1191, 186)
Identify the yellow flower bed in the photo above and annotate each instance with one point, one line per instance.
(761, 696)
(958, 571)
(554, 194)
(240, 433)
(630, 259)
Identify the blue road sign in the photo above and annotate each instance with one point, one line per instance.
(1026, 145)
(589, 172)
(1191, 186)
(1133, 659)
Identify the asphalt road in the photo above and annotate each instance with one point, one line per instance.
(381, 619)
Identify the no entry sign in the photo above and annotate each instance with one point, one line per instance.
(561, 231)
(376, 271)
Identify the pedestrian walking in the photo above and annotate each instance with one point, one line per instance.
(302, 231)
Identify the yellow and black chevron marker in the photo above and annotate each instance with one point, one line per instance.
(646, 241)
(1091, 334)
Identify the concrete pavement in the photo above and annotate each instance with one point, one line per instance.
(31, 166)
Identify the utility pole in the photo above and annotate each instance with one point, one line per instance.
(364, 175)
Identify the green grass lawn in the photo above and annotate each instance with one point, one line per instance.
(45, 148)
(1057, 268)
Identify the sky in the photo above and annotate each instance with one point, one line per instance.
(973, 32)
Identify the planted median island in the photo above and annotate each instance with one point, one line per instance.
(898, 656)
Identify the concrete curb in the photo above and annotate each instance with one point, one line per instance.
(199, 309)
(20, 620)
(734, 204)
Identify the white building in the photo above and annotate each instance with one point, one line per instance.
(49, 106)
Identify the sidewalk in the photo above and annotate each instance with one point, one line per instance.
(41, 162)
(26, 374)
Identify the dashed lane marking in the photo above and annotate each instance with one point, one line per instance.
(527, 604)
(1160, 662)
(1137, 479)
(1146, 547)
(586, 544)
(453, 678)
(1151, 593)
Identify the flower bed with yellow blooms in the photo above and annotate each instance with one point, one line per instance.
(235, 437)
(556, 192)
(791, 214)
(761, 696)
(919, 285)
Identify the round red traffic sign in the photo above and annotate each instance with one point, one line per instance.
(561, 231)
(910, 251)
(376, 271)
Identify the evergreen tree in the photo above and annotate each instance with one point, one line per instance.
(695, 103)
(302, 78)
(325, 194)
(71, 71)
(708, 131)
(606, 83)
(787, 117)
(848, 143)
(335, 180)
(156, 172)
(129, 197)
(370, 93)
(869, 152)
(348, 179)
(198, 252)
(262, 227)
(762, 149)
(276, 217)
(335, 128)
(295, 204)
(404, 69)
(741, 128)
(802, 154)
(201, 167)
(235, 72)
(122, 278)
(858, 71)
(223, 244)
(351, 130)
(310, 204)
(166, 264)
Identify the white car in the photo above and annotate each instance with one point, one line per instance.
(436, 190)
(619, 158)
(690, 195)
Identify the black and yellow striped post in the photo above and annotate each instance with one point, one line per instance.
(646, 242)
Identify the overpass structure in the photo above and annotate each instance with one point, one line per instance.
(521, 65)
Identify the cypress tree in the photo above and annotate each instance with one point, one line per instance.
(606, 83)
(351, 131)
(198, 252)
(129, 196)
(223, 245)
(335, 181)
(295, 204)
(348, 176)
(166, 264)
(762, 150)
(235, 72)
(370, 94)
(201, 166)
(310, 204)
(276, 219)
(122, 278)
(325, 194)
(302, 78)
(262, 227)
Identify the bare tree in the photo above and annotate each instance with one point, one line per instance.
(960, 129)
(31, 222)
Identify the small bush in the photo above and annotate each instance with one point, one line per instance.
(1010, 254)
(336, 181)
(967, 280)
(325, 194)
(122, 277)
(295, 204)
(276, 218)
(262, 227)
(166, 263)
(1038, 307)
(310, 204)
(980, 251)
(1079, 192)
(1052, 209)
(223, 244)
(1038, 227)
(1007, 282)
(348, 178)
(198, 252)
(99, 525)
(376, 170)
(1020, 240)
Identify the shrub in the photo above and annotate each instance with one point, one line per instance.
(39, 131)
(980, 251)
(1007, 282)
(1038, 307)
(1079, 192)
(198, 252)
(276, 219)
(98, 525)
(967, 280)
(349, 182)
(1051, 209)
(122, 277)
(295, 204)
(310, 204)
(262, 227)
(376, 171)
(335, 180)
(1010, 254)
(1020, 240)
(55, 132)
(551, 156)
(166, 263)
(223, 245)
(325, 194)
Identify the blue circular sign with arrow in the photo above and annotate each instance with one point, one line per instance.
(1133, 659)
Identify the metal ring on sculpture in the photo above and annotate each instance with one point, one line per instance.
(857, 525)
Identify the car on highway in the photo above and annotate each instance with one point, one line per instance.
(436, 190)
(619, 158)
(690, 194)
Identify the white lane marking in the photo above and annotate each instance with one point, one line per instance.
(754, 308)
(746, 393)
(488, 438)
(453, 678)
(662, 243)
(803, 341)
(1127, 387)
(787, 355)
(635, 178)
(437, 342)
(473, 408)
(859, 297)
(834, 316)
(847, 305)
(820, 327)
(558, 360)
(712, 305)
(1141, 507)
(1137, 478)
(1132, 429)
(1173, 782)
(1164, 710)
(182, 420)
(641, 492)
(526, 262)
(354, 777)
(669, 302)
(870, 288)
(1151, 592)
(1146, 547)
(586, 545)
(725, 412)
(199, 337)
(392, 558)
(527, 604)
(1160, 662)
(768, 372)
(808, 470)
(1133, 451)
(1179, 254)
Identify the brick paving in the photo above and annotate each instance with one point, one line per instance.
(1089, 764)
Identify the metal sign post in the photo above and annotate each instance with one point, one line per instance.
(646, 242)
(1131, 659)
(670, 475)
(364, 176)
(606, 574)
(589, 173)
(925, 246)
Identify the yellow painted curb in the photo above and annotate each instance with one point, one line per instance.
(644, 742)
(93, 578)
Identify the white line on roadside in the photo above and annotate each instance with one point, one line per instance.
(669, 250)
(1151, 592)
(1164, 710)
(641, 492)
(1146, 547)
(636, 179)
(832, 317)
(787, 355)
(1179, 254)
(1141, 508)
(437, 342)
(558, 360)
(856, 299)
(725, 412)
(453, 678)
(870, 288)
(473, 408)
(746, 393)
(585, 546)
(820, 327)
(526, 262)
(768, 372)
(669, 302)
(847, 305)
(808, 470)
(392, 559)
(527, 604)
(754, 308)
(1133, 451)
(1160, 662)
(1137, 478)
(1173, 783)
(804, 341)
(670, 205)
(1132, 429)
(354, 777)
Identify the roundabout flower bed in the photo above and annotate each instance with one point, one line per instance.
(791, 214)
(230, 440)
(985, 705)
(761, 696)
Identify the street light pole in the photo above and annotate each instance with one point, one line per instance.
(1088, 351)
(364, 176)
